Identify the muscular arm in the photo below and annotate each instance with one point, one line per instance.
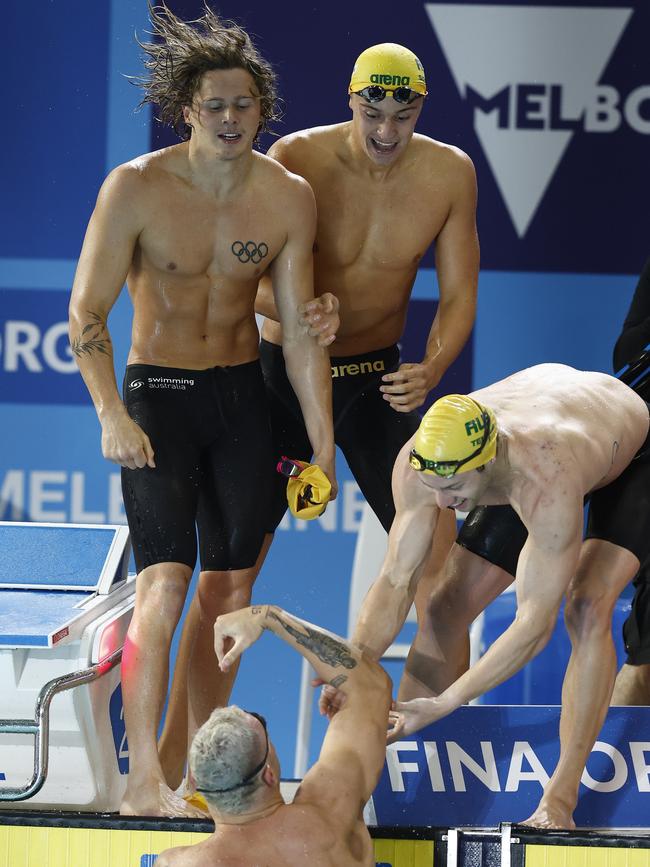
(307, 363)
(105, 259)
(387, 604)
(457, 263)
(320, 315)
(265, 300)
(546, 565)
(338, 662)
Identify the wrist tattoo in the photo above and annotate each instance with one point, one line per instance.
(93, 338)
(328, 649)
(338, 681)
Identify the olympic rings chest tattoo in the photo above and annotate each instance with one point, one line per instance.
(249, 251)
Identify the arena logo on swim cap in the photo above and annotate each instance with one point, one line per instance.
(531, 81)
(391, 80)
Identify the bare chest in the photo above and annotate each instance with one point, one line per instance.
(390, 226)
(194, 237)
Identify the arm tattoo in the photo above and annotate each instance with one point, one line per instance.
(338, 681)
(329, 650)
(93, 338)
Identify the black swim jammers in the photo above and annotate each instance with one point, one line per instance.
(210, 433)
(369, 432)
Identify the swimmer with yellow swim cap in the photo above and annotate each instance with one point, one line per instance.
(388, 68)
(387, 84)
(522, 455)
(384, 195)
(456, 435)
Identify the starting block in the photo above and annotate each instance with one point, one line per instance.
(66, 601)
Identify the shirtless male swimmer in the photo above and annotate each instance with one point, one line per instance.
(234, 764)
(384, 194)
(538, 441)
(192, 228)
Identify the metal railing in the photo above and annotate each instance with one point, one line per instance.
(39, 727)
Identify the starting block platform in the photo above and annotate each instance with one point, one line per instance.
(68, 840)
(66, 601)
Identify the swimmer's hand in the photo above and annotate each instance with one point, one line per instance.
(407, 717)
(124, 442)
(407, 388)
(328, 467)
(321, 317)
(331, 699)
(241, 628)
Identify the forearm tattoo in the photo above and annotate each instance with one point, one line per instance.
(338, 681)
(329, 650)
(93, 338)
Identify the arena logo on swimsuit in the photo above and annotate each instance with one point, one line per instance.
(527, 105)
(355, 369)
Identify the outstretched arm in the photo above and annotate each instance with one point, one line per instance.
(354, 747)
(334, 659)
(387, 604)
(546, 565)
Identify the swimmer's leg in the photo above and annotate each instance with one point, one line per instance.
(603, 571)
(160, 595)
(217, 593)
(172, 745)
(632, 686)
(198, 685)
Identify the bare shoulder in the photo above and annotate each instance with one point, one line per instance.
(302, 150)
(408, 489)
(132, 179)
(288, 189)
(437, 156)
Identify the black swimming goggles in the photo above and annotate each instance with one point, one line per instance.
(446, 469)
(248, 779)
(376, 93)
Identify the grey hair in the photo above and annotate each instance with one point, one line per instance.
(223, 751)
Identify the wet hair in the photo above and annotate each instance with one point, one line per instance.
(224, 750)
(183, 51)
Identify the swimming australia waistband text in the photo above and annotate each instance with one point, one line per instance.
(173, 382)
(355, 369)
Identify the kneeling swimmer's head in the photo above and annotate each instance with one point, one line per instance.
(456, 435)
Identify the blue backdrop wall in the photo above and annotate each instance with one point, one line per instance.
(551, 102)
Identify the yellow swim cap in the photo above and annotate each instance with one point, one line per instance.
(308, 488)
(389, 65)
(456, 435)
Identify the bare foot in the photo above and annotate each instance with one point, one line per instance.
(157, 799)
(551, 816)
